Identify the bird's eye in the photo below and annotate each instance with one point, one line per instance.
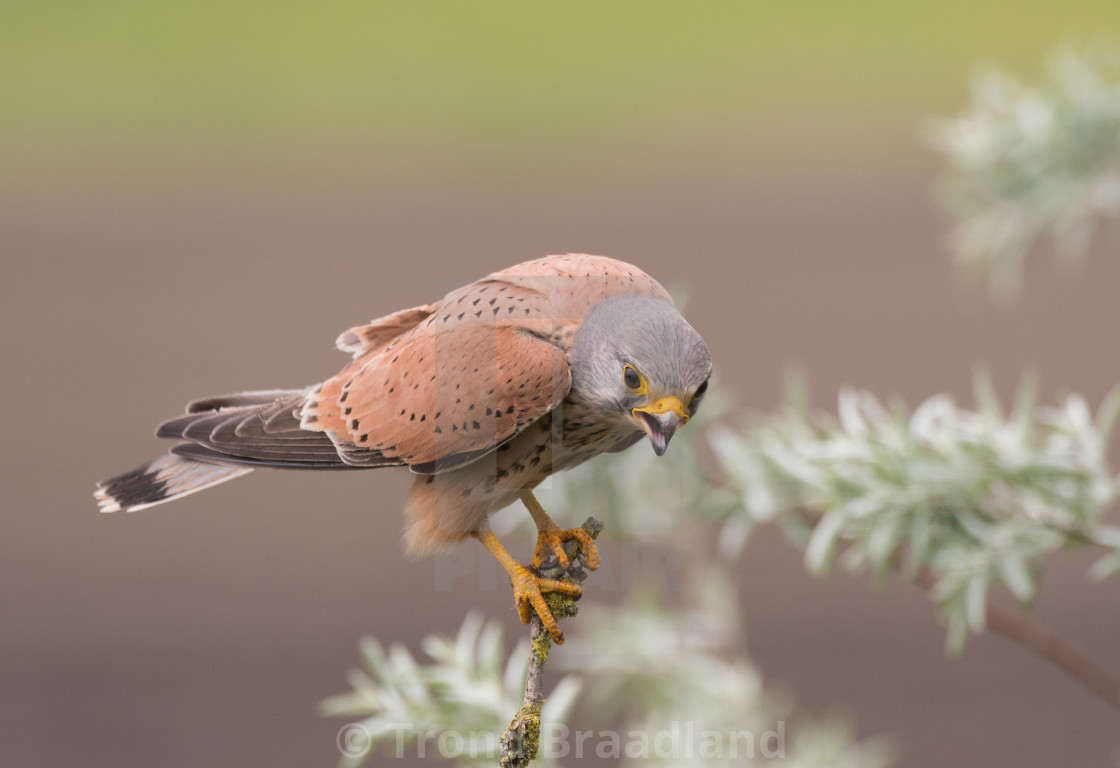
(697, 396)
(633, 380)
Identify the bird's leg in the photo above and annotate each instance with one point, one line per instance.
(552, 536)
(528, 586)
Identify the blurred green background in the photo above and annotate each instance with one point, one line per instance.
(198, 198)
(507, 88)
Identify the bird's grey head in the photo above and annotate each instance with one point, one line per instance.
(635, 358)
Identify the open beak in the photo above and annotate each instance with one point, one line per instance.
(660, 421)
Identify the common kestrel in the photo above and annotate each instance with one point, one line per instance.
(482, 395)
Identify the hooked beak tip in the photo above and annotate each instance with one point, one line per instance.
(659, 430)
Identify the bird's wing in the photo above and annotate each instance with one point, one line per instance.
(265, 428)
(365, 338)
(472, 375)
(255, 429)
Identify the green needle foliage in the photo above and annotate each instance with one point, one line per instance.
(659, 683)
(966, 498)
(661, 668)
(1028, 163)
(466, 689)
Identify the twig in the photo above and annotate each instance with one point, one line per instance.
(522, 739)
(1049, 645)
(1056, 649)
(1030, 634)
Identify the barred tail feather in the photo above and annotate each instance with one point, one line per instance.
(165, 479)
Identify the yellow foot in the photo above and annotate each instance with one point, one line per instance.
(553, 539)
(527, 589)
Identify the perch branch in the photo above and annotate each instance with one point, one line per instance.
(521, 740)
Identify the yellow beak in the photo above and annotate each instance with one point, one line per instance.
(660, 421)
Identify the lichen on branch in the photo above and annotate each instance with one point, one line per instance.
(521, 740)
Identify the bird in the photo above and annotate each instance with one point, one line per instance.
(482, 395)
